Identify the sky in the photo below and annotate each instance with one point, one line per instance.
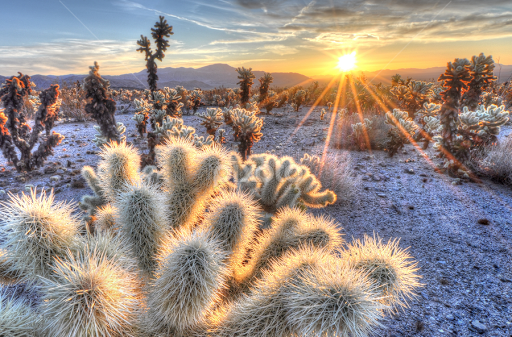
(67, 36)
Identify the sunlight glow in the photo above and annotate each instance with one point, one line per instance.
(347, 62)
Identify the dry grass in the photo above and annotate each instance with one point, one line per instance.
(336, 174)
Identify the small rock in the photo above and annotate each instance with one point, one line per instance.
(382, 195)
(28, 187)
(50, 169)
(77, 183)
(478, 327)
(55, 178)
(409, 170)
(450, 317)
(484, 222)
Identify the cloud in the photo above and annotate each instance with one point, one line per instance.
(279, 49)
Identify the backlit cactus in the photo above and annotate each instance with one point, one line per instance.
(360, 133)
(247, 130)
(212, 119)
(401, 132)
(246, 78)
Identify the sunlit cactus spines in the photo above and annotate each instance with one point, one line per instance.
(16, 133)
(101, 140)
(212, 119)
(291, 229)
(401, 132)
(144, 223)
(105, 219)
(173, 105)
(161, 31)
(190, 177)
(142, 110)
(483, 124)
(16, 316)
(8, 274)
(389, 266)
(246, 78)
(279, 182)
(119, 166)
(188, 282)
(100, 105)
(89, 295)
(481, 71)
(265, 82)
(37, 231)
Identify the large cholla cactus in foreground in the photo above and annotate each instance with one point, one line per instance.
(278, 182)
(100, 106)
(401, 132)
(246, 78)
(16, 133)
(159, 34)
(215, 274)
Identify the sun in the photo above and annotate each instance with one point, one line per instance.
(347, 62)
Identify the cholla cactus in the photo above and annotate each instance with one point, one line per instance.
(434, 94)
(299, 98)
(293, 282)
(484, 123)
(159, 33)
(401, 132)
(212, 119)
(322, 114)
(481, 71)
(246, 127)
(489, 98)
(190, 177)
(37, 231)
(15, 132)
(142, 110)
(412, 96)
(219, 138)
(172, 103)
(16, 316)
(360, 133)
(100, 106)
(246, 78)
(283, 98)
(278, 182)
(100, 140)
(195, 99)
(119, 166)
(265, 82)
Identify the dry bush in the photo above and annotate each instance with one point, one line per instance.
(496, 163)
(336, 174)
(377, 136)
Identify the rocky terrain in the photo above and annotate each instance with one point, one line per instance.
(460, 234)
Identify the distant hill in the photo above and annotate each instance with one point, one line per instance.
(429, 74)
(208, 77)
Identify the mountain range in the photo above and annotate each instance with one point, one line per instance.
(223, 75)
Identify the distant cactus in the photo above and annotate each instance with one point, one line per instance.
(100, 106)
(247, 130)
(322, 114)
(16, 133)
(299, 98)
(101, 140)
(265, 82)
(195, 97)
(159, 34)
(212, 119)
(173, 106)
(401, 132)
(142, 109)
(283, 98)
(246, 78)
(481, 71)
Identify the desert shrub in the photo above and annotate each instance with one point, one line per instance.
(16, 133)
(215, 274)
(335, 173)
(496, 161)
